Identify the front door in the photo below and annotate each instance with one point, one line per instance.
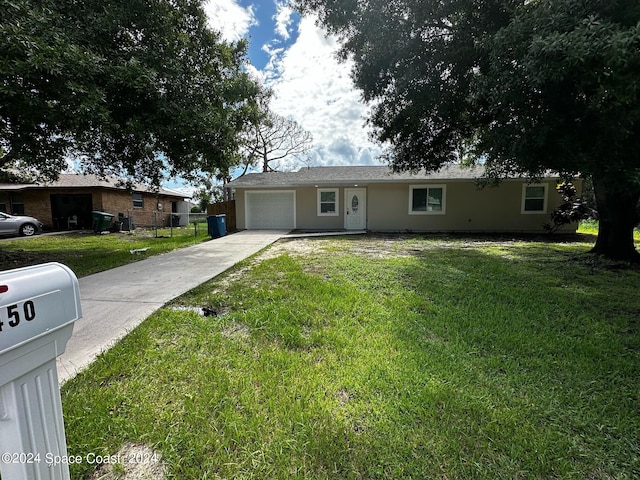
(356, 209)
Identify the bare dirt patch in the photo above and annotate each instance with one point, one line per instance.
(236, 330)
(21, 258)
(135, 462)
(294, 247)
(404, 245)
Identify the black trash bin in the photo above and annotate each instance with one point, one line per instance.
(217, 225)
(127, 224)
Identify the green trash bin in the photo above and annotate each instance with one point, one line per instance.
(101, 221)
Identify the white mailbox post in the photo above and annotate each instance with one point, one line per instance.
(38, 306)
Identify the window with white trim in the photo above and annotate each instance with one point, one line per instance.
(328, 202)
(427, 199)
(534, 198)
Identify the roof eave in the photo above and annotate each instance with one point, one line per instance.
(22, 187)
(349, 183)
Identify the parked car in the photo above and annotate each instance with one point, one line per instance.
(19, 225)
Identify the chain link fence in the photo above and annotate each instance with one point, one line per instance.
(154, 221)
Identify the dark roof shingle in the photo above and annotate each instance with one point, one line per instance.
(350, 174)
(72, 180)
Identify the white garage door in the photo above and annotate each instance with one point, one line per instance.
(270, 210)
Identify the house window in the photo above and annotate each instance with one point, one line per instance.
(328, 202)
(427, 200)
(534, 198)
(17, 204)
(138, 200)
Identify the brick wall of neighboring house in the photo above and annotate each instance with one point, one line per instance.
(37, 203)
(148, 215)
(114, 202)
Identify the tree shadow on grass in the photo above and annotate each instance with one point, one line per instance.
(82, 262)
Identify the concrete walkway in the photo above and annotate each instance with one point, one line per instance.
(114, 302)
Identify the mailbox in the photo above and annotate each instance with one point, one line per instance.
(38, 306)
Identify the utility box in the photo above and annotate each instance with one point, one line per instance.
(38, 307)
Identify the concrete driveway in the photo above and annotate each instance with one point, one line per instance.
(115, 301)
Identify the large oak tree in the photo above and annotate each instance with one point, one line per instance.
(138, 88)
(524, 85)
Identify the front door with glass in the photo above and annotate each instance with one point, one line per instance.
(356, 209)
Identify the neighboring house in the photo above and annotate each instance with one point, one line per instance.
(373, 198)
(68, 202)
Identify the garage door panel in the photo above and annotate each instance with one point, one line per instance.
(270, 210)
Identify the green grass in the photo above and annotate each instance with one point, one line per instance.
(590, 227)
(87, 253)
(381, 358)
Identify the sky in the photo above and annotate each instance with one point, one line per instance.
(295, 59)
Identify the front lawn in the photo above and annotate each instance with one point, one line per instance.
(86, 252)
(381, 358)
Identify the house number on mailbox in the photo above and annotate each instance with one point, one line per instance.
(15, 315)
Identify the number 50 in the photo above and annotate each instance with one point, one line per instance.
(28, 309)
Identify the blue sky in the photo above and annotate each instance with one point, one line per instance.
(294, 58)
(261, 33)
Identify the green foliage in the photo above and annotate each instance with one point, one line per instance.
(561, 90)
(415, 62)
(129, 88)
(573, 209)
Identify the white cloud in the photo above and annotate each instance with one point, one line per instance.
(312, 87)
(283, 19)
(229, 18)
(309, 84)
(256, 74)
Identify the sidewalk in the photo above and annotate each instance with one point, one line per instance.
(115, 301)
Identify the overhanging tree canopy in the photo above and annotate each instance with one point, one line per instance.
(526, 85)
(128, 87)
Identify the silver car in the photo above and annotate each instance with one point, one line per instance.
(19, 225)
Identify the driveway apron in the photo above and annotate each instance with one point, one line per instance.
(114, 302)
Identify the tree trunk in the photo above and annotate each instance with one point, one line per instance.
(617, 202)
